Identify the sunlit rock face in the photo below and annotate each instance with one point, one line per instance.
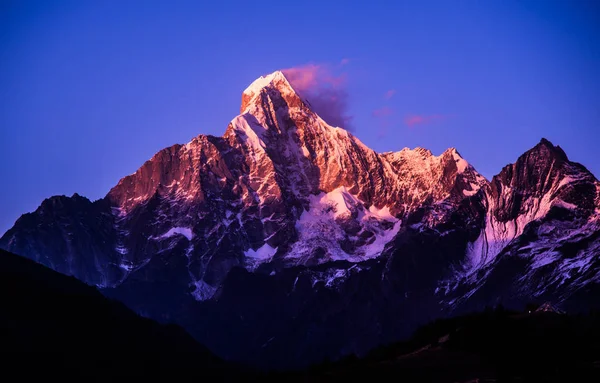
(287, 226)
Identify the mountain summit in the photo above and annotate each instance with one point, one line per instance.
(261, 87)
(287, 211)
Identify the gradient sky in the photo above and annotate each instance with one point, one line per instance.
(89, 90)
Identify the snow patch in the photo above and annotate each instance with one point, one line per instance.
(324, 227)
(265, 252)
(474, 189)
(338, 202)
(261, 255)
(185, 231)
(203, 291)
(376, 247)
(252, 131)
(383, 213)
(121, 249)
(338, 274)
(263, 82)
(497, 235)
(127, 266)
(332, 277)
(570, 179)
(461, 164)
(545, 258)
(566, 205)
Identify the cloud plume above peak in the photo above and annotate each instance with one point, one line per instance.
(325, 91)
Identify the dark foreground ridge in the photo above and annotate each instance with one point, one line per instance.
(80, 334)
(76, 332)
(492, 346)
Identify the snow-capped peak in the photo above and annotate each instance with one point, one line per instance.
(264, 81)
(275, 80)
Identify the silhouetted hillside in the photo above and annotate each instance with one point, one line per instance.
(493, 346)
(52, 325)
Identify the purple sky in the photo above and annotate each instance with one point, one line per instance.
(89, 90)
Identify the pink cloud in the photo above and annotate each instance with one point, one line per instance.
(389, 94)
(414, 120)
(344, 61)
(325, 91)
(303, 78)
(383, 112)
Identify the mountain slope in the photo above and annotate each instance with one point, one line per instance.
(78, 332)
(287, 234)
(542, 231)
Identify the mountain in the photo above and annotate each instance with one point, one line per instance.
(287, 241)
(541, 236)
(81, 334)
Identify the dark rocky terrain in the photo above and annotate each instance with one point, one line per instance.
(54, 326)
(491, 346)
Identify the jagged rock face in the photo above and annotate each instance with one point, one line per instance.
(540, 177)
(287, 233)
(541, 233)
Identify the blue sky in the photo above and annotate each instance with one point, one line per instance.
(89, 90)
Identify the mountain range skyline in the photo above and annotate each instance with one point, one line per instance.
(86, 98)
(314, 82)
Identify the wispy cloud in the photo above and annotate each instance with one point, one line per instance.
(345, 61)
(389, 94)
(325, 91)
(414, 120)
(383, 112)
